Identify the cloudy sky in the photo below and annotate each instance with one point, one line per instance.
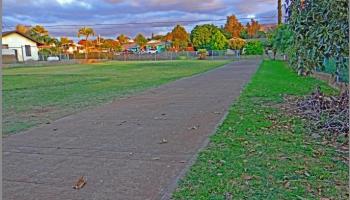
(64, 17)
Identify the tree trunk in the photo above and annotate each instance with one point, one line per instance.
(279, 7)
(86, 50)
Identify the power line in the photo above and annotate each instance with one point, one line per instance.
(146, 23)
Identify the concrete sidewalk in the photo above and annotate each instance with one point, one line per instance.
(133, 148)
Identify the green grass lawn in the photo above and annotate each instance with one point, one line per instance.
(261, 153)
(36, 95)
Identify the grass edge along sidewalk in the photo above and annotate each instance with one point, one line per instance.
(38, 95)
(261, 153)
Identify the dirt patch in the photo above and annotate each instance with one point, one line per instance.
(326, 118)
(39, 112)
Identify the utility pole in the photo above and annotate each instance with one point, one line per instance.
(279, 8)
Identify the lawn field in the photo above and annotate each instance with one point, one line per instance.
(259, 152)
(36, 95)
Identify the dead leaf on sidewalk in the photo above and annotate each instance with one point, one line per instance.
(80, 183)
(122, 122)
(160, 118)
(193, 128)
(163, 141)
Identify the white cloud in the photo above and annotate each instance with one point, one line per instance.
(65, 2)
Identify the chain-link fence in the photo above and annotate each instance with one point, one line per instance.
(338, 68)
(53, 57)
(76, 57)
(182, 55)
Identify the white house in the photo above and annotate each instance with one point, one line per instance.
(22, 46)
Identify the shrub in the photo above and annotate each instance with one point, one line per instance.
(254, 47)
(237, 43)
(202, 54)
(320, 29)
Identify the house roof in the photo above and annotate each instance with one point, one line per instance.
(267, 27)
(19, 33)
(129, 46)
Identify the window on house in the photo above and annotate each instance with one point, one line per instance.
(5, 46)
(28, 50)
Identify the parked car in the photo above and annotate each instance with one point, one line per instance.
(152, 51)
(53, 58)
(128, 52)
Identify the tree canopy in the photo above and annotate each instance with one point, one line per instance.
(140, 40)
(123, 39)
(208, 36)
(237, 43)
(233, 26)
(252, 28)
(86, 31)
(179, 37)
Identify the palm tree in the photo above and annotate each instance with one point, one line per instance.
(86, 31)
(40, 30)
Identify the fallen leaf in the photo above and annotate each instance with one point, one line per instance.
(163, 141)
(155, 158)
(80, 183)
(247, 177)
(306, 174)
(286, 184)
(193, 128)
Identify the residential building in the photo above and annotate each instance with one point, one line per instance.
(23, 47)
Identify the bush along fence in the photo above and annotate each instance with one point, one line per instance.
(167, 55)
(315, 37)
(61, 58)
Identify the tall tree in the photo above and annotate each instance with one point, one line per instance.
(123, 39)
(168, 37)
(86, 31)
(279, 8)
(179, 37)
(252, 28)
(233, 26)
(140, 40)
